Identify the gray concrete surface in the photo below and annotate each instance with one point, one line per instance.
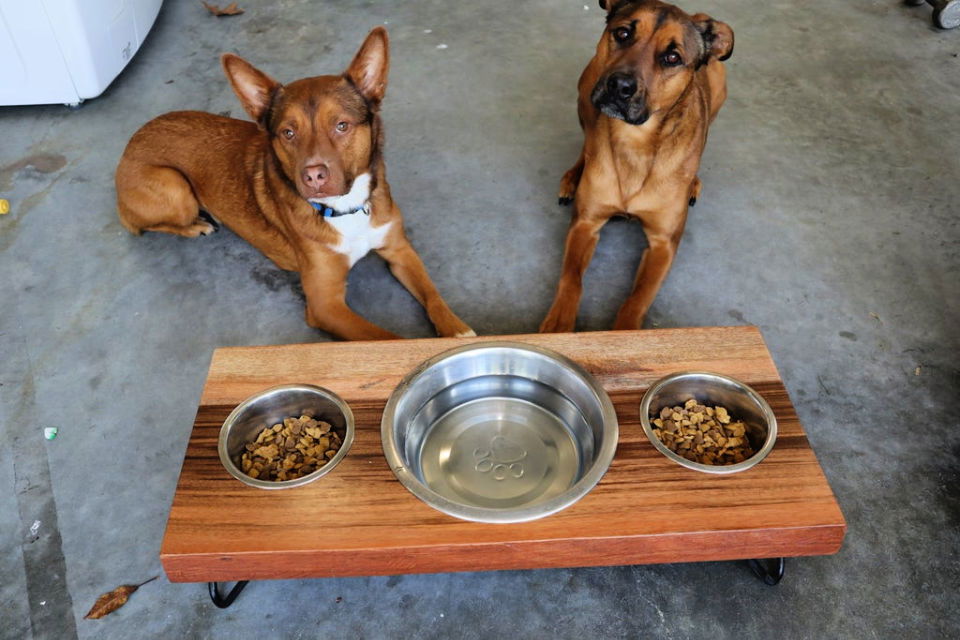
(828, 218)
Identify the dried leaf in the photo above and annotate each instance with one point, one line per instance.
(230, 10)
(113, 600)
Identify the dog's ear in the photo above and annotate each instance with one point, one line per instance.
(610, 5)
(254, 88)
(717, 37)
(368, 71)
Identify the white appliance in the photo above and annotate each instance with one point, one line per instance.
(67, 51)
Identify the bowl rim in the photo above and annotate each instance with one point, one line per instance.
(750, 462)
(603, 457)
(234, 471)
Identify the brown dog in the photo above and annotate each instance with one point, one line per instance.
(305, 185)
(646, 100)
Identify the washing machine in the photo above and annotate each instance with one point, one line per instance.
(68, 51)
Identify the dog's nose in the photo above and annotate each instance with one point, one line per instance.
(622, 85)
(315, 176)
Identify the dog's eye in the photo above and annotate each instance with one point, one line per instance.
(288, 134)
(343, 126)
(622, 34)
(671, 59)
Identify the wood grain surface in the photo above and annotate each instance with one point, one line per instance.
(359, 520)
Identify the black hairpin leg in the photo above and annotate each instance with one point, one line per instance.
(224, 601)
(946, 13)
(769, 570)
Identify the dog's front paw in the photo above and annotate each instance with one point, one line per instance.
(629, 319)
(628, 324)
(454, 327)
(555, 323)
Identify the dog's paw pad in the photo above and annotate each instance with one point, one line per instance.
(693, 201)
(564, 201)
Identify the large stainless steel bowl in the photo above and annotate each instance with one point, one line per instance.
(739, 399)
(499, 432)
(270, 407)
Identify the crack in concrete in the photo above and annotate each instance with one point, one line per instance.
(48, 597)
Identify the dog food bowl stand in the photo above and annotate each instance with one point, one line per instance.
(360, 521)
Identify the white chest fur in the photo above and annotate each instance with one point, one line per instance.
(357, 235)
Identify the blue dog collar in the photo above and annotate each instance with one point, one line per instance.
(330, 212)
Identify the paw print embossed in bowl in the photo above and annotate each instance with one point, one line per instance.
(499, 432)
(503, 458)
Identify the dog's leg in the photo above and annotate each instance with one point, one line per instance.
(580, 245)
(570, 180)
(407, 267)
(653, 269)
(158, 199)
(324, 281)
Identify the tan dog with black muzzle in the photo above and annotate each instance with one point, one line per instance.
(306, 184)
(645, 102)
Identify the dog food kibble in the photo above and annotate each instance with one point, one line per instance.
(707, 435)
(289, 450)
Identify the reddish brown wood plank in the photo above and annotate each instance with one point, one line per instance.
(646, 509)
(370, 371)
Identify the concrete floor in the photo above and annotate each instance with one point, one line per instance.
(829, 218)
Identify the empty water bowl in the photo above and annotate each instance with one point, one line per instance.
(499, 432)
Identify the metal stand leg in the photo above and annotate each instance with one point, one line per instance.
(769, 570)
(224, 601)
(946, 13)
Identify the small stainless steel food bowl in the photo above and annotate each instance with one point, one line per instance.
(499, 432)
(270, 407)
(742, 402)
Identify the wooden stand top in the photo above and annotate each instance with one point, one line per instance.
(359, 519)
